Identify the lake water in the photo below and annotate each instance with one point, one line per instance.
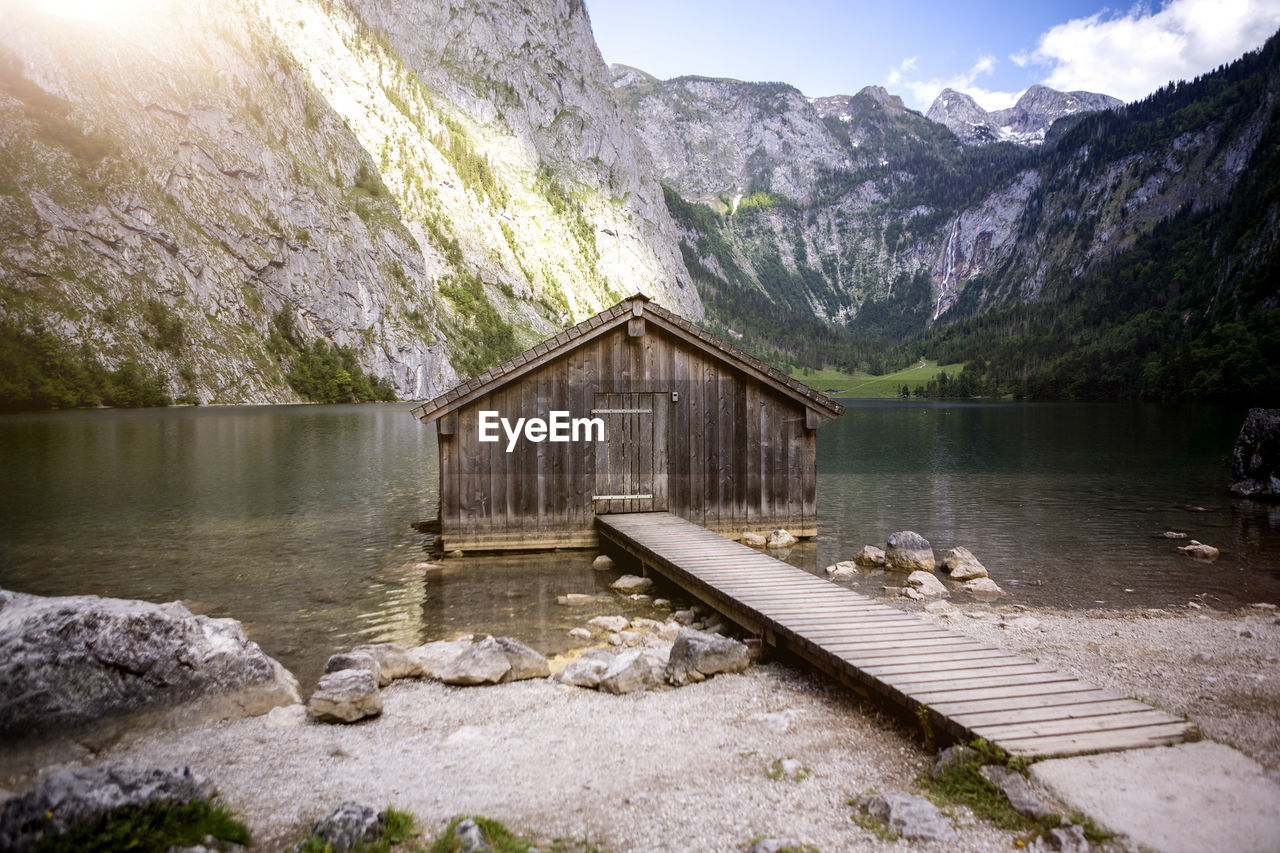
(296, 520)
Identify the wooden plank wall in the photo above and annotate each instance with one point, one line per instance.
(738, 454)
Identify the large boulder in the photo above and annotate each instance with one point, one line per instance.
(345, 696)
(525, 662)
(393, 661)
(70, 796)
(1255, 464)
(962, 565)
(695, 655)
(908, 551)
(630, 671)
(431, 660)
(587, 670)
(483, 662)
(94, 667)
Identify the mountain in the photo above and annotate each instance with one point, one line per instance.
(931, 246)
(713, 137)
(1026, 122)
(240, 198)
(273, 200)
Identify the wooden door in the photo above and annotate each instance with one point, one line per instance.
(631, 465)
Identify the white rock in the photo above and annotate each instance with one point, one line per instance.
(842, 570)
(779, 539)
(870, 555)
(1200, 551)
(602, 562)
(609, 623)
(484, 662)
(285, 716)
(580, 633)
(345, 696)
(928, 585)
(432, 659)
(753, 540)
(632, 584)
(983, 587)
(962, 565)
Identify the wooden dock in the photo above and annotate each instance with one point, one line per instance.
(956, 687)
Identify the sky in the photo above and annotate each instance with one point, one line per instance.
(991, 49)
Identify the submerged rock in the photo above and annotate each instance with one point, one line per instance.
(1255, 463)
(1200, 551)
(695, 655)
(908, 552)
(962, 565)
(632, 583)
(345, 696)
(90, 666)
(752, 540)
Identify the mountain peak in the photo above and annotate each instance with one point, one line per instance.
(1025, 122)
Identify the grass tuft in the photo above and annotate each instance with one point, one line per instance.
(154, 826)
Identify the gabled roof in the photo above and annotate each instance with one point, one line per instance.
(607, 320)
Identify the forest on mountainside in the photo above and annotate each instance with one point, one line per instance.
(1189, 312)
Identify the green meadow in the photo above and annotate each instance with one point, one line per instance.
(837, 383)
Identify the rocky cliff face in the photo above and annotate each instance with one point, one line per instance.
(711, 138)
(890, 215)
(171, 181)
(1025, 123)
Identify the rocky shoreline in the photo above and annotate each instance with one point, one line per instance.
(767, 751)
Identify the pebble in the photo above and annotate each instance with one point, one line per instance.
(580, 634)
(1201, 657)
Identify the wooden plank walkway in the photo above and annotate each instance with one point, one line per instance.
(968, 689)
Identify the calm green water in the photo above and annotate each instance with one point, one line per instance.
(297, 519)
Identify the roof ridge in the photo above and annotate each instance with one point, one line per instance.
(566, 338)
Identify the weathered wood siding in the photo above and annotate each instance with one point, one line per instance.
(737, 454)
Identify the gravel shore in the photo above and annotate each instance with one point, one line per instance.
(690, 769)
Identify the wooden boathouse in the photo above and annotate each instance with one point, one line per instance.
(632, 410)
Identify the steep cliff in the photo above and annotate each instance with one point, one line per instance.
(180, 180)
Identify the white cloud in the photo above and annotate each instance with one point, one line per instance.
(1131, 55)
(1020, 59)
(919, 94)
